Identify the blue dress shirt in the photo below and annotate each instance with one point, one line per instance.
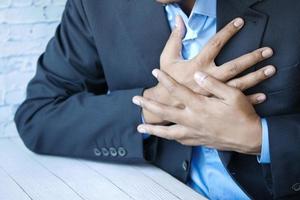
(208, 176)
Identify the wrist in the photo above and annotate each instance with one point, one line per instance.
(249, 138)
(253, 143)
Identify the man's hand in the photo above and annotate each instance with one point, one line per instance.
(183, 70)
(226, 121)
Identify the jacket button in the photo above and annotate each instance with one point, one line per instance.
(113, 151)
(296, 187)
(185, 165)
(105, 152)
(97, 152)
(122, 152)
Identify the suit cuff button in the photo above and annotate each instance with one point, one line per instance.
(113, 152)
(185, 165)
(122, 152)
(97, 152)
(104, 151)
(296, 187)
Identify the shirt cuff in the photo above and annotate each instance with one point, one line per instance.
(264, 157)
(145, 135)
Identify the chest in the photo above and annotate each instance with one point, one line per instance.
(130, 45)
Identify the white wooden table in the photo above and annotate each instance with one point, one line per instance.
(25, 176)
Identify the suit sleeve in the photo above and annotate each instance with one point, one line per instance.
(63, 116)
(284, 138)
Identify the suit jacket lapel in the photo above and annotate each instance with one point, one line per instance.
(146, 24)
(248, 39)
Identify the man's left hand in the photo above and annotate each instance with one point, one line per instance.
(226, 121)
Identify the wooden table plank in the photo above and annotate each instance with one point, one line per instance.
(132, 181)
(166, 181)
(86, 182)
(37, 181)
(142, 186)
(9, 189)
(46, 177)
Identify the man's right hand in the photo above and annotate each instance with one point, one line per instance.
(183, 70)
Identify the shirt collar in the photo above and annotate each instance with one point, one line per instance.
(205, 7)
(202, 10)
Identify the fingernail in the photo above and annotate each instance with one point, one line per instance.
(200, 77)
(267, 53)
(136, 101)
(141, 129)
(239, 22)
(269, 71)
(261, 98)
(155, 73)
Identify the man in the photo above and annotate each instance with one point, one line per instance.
(112, 46)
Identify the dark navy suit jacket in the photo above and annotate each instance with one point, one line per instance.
(113, 45)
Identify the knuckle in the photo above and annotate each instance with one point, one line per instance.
(216, 43)
(206, 84)
(258, 55)
(230, 29)
(262, 76)
(199, 61)
(234, 69)
(144, 104)
(219, 74)
(255, 56)
(175, 35)
(172, 87)
(259, 76)
(253, 99)
(237, 84)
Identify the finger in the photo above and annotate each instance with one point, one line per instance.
(238, 65)
(172, 50)
(214, 86)
(165, 112)
(252, 79)
(258, 98)
(167, 132)
(176, 90)
(214, 46)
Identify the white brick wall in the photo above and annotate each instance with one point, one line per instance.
(25, 28)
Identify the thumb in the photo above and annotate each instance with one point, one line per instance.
(172, 50)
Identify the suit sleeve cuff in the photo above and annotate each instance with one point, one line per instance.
(264, 157)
